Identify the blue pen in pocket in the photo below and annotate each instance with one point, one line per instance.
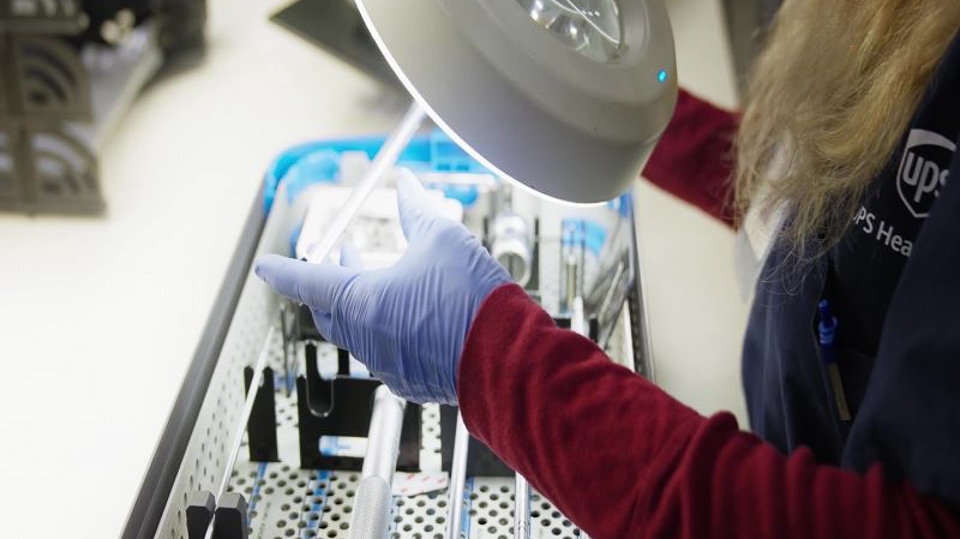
(827, 330)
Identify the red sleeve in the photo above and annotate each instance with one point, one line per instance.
(621, 458)
(694, 158)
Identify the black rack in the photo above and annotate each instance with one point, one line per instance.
(54, 109)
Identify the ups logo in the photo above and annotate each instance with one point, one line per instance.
(924, 170)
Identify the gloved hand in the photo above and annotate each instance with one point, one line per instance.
(406, 323)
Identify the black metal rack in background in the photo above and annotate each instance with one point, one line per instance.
(336, 27)
(57, 104)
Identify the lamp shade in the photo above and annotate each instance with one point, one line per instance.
(567, 97)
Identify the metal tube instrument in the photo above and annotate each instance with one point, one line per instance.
(371, 511)
(458, 480)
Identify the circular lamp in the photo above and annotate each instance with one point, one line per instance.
(567, 97)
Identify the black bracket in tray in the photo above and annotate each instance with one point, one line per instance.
(342, 406)
(262, 425)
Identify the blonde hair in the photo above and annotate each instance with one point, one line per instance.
(829, 99)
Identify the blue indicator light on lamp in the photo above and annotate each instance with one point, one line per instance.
(662, 76)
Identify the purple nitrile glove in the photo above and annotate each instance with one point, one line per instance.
(406, 323)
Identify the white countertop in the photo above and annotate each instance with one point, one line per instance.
(99, 317)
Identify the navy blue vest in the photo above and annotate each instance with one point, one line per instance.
(894, 283)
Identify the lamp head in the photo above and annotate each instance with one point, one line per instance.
(567, 97)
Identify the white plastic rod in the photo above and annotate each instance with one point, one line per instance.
(385, 159)
(244, 417)
(578, 318)
(458, 479)
(371, 510)
(245, 414)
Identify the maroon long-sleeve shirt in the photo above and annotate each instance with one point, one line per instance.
(619, 456)
(694, 158)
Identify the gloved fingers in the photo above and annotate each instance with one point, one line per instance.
(313, 284)
(350, 256)
(416, 212)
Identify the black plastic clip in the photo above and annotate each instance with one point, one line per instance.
(199, 513)
(230, 520)
(229, 517)
(262, 424)
(342, 406)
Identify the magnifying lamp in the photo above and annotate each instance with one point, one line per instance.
(567, 97)
(564, 97)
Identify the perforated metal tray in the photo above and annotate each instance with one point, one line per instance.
(286, 501)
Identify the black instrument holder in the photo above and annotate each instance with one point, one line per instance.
(199, 513)
(342, 406)
(262, 424)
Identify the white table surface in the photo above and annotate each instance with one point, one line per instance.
(99, 317)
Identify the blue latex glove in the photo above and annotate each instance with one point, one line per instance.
(406, 323)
